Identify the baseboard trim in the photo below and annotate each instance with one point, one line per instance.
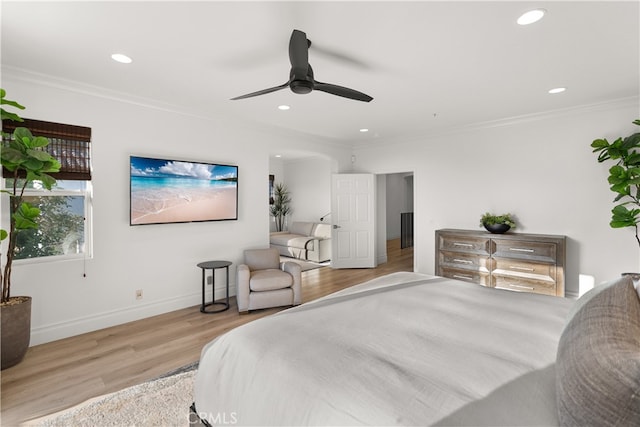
(56, 331)
(570, 294)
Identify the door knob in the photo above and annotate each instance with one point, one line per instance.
(335, 226)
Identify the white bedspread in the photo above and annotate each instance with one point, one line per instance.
(404, 349)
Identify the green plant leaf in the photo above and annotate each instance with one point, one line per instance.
(3, 234)
(51, 166)
(623, 217)
(47, 180)
(8, 114)
(633, 159)
(632, 141)
(600, 143)
(25, 217)
(43, 156)
(39, 141)
(4, 101)
(11, 155)
(23, 135)
(32, 164)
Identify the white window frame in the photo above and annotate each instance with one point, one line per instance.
(87, 193)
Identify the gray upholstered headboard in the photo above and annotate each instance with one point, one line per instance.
(598, 359)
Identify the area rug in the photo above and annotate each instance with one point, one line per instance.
(305, 265)
(164, 401)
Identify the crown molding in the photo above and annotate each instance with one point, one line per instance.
(631, 101)
(20, 75)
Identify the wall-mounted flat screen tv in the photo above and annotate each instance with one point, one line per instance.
(167, 191)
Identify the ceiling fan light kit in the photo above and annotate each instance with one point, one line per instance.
(301, 80)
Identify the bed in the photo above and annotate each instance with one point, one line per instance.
(414, 349)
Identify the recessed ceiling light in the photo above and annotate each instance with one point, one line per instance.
(557, 90)
(119, 57)
(278, 155)
(531, 16)
(364, 130)
(283, 107)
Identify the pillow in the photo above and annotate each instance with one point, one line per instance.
(598, 359)
(300, 227)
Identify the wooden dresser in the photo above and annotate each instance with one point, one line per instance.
(519, 262)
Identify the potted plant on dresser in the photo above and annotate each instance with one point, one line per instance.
(24, 161)
(497, 224)
(624, 178)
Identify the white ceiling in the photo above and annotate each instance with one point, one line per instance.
(430, 66)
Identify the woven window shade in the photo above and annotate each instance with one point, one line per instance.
(69, 144)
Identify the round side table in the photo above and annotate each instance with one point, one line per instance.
(213, 265)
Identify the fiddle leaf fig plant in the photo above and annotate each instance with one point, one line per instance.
(23, 156)
(624, 177)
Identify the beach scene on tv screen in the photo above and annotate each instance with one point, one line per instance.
(164, 191)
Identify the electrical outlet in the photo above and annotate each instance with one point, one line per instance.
(209, 280)
(139, 294)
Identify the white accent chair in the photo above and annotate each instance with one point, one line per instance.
(263, 281)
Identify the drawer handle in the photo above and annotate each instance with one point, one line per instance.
(522, 250)
(463, 277)
(531, 288)
(463, 261)
(466, 245)
(515, 267)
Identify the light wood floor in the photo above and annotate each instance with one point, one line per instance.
(60, 374)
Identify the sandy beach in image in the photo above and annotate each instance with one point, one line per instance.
(184, 206)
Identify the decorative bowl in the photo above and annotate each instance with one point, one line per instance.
(497, 228)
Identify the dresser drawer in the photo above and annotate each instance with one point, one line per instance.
(466, 275)
(523, 249)
(526, 270)
(467, 244)
(513, 283)
(464, 261)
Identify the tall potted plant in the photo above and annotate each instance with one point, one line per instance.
(624, 177)
(280, 207)
(23, 156)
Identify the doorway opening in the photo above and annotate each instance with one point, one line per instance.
(395, 214)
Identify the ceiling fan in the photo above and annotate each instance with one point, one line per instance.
(301, 79)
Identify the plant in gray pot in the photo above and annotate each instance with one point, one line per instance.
(497, 224)
(624, 178)
(24, 161)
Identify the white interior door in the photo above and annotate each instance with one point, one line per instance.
(353, 217)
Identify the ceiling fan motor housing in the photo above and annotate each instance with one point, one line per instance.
(301, 87)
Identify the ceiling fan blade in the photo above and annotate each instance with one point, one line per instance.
(341, 91)
(299, 54)
(261, 92)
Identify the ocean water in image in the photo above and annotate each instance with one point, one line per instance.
(154, 195)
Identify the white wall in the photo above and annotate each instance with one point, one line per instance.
(309, 182)
(160, 259)
(539, 168)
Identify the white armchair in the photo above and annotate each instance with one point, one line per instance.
(263, 281)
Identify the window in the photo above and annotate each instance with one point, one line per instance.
(64, 226)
